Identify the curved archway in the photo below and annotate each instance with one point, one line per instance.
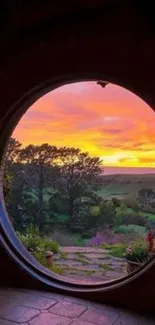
(126, 62)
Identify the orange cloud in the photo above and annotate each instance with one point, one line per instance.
(109, 122)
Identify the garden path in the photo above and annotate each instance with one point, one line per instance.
(89, 264)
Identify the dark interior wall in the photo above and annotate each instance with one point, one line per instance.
(50, 45)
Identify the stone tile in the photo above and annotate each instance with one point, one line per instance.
(38, 302)
(134, 319)
(7, 322)
(50, 319)
(68, 309)
(91, 304)
(81, 322)
(55, 296)
(18, 313)
(99, 317)
(75, 249)
(78, 301)
(48, 294)
(10, 295)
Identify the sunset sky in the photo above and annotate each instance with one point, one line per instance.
(109, 122)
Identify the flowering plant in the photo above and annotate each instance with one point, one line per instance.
(141, 251)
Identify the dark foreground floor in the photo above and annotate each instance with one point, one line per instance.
(43, 308)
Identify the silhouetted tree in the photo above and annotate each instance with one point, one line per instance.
(146, 196)
(38, 163)
(80, 174)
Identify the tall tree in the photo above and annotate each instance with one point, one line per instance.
(79, 173)
(39, 172)
(10, 158)
(12, 151)
(146, 196)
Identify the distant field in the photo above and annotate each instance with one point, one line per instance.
(120, 185)
(151, 216)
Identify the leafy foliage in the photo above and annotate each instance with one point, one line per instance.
(33, 242)
(131, 229)
(116, 250)
(51, 186)
(146, 197)
(138, 252)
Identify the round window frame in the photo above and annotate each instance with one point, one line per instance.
(9, 238)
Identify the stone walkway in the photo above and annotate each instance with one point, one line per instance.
(43, 308)
(89, 264)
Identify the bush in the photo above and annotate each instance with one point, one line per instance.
(33, 242)
(105, 236)
(31, 239)
(63, 239)
(49, 245)
(40, 257)
(116, 202)
(117, 250)
(135, 219)
(130, 229)
(138, 252)
(120, 214)
(131, 202)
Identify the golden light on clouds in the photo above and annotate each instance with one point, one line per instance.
(109, 122)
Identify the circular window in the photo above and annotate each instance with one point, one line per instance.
(79, 182)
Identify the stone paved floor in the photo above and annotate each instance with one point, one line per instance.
(43, 308)
(89, 264)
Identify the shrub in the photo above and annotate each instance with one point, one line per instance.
(136, 219)
(31, 239)
(117, 250)
(130, 229)
(33, 242)
(49, 245)
(131, 202)
(120, 214)
(105, 236)
(63, 239)
(116, 202)
(137, 252)
(40, 257)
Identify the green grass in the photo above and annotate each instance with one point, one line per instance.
(130, 229)
(150, 215)
(105, 267)
(81, 260)
(56, 269)
(49, 245)
(90, 272)
(40, 257)
(117, 250)
(80, 255)
(64, 255)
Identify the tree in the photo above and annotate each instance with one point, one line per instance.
(37, 162)
(107, 213)
(7, 186)
(120, 215)
(146, 196)
(12, 151)
(49, 183)
(10, 157)
(79, 174)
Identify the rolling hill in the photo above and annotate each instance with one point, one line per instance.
(120, 185)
